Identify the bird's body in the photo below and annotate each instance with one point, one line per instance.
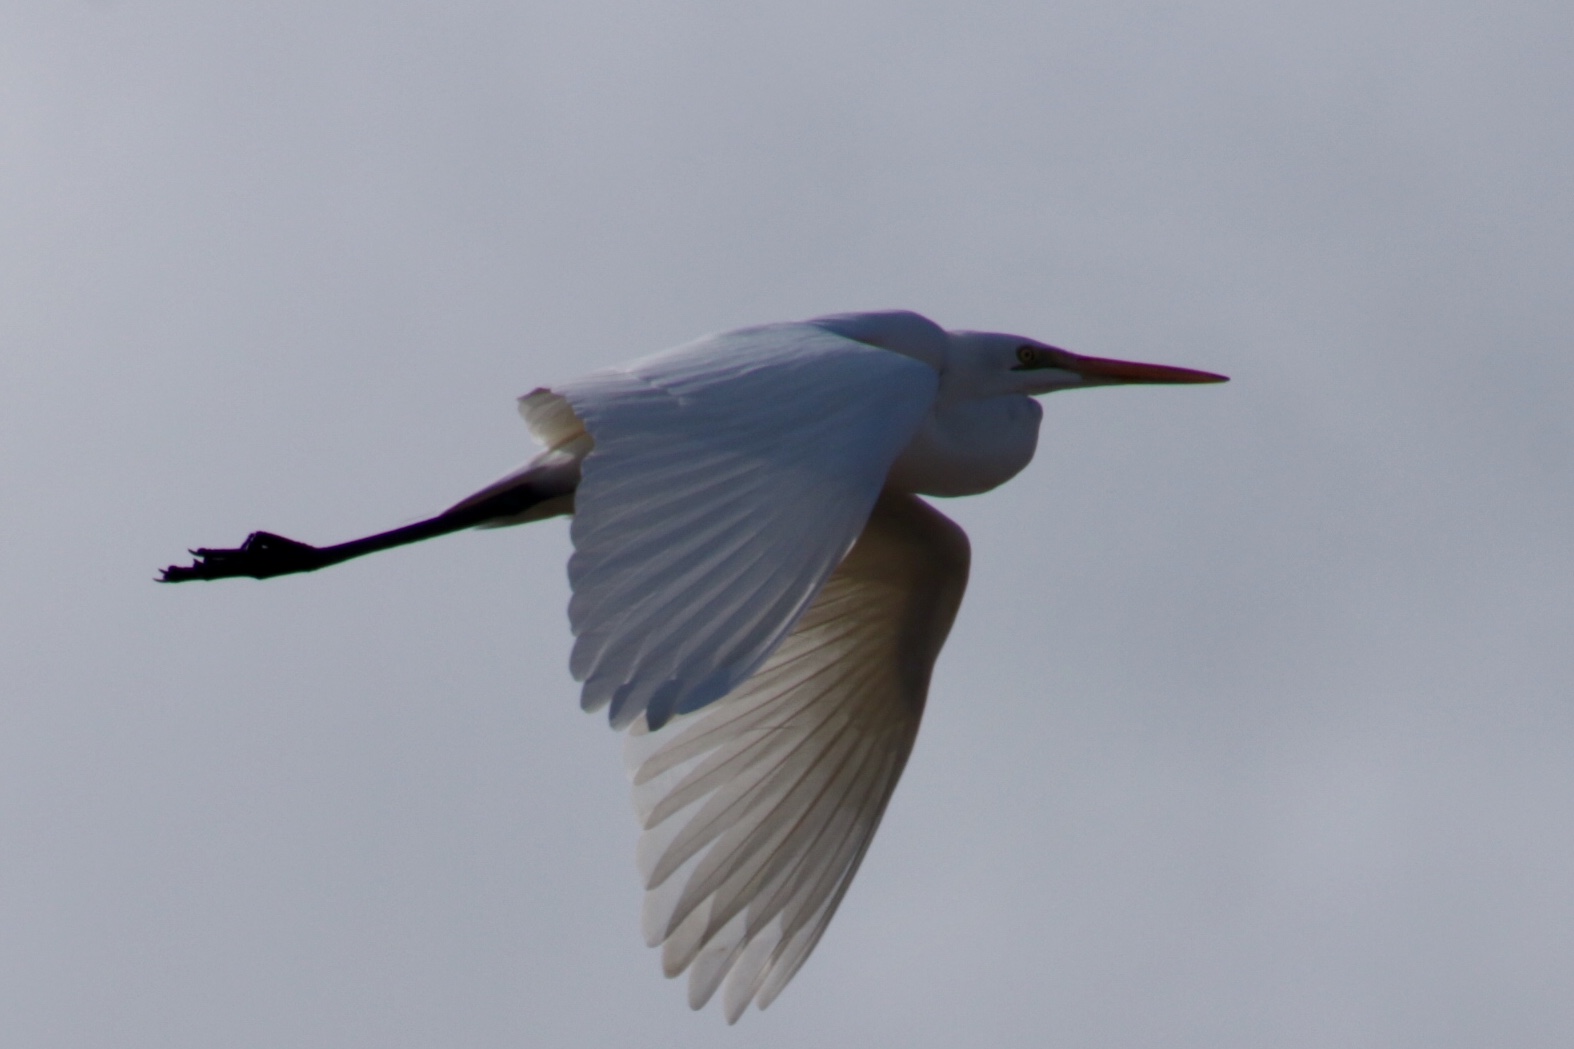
(759, 594)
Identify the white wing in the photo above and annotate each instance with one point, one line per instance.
(757, 810)
(727, 480)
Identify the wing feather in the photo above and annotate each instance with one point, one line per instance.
(758, 809)
(727, 480)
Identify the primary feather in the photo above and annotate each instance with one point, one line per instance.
(758, 810)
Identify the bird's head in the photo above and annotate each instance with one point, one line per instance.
(989, 364)
(994, 363)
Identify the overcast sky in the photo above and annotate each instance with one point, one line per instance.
(1257, 725)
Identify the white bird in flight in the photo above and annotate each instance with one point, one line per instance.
(759, 593)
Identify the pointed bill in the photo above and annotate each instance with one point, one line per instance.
(1103, 371)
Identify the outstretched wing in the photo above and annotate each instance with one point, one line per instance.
(727, 480)
(757, 809)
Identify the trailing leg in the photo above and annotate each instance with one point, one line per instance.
(544, 488)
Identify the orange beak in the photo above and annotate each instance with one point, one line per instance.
(1102, 371)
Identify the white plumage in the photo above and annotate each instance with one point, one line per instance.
(758, 809)
(724, 486)
(759, 594)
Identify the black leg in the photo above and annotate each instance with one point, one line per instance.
(264, 555)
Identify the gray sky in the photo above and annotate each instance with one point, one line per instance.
(1256, 727)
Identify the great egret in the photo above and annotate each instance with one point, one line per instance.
(755, 577)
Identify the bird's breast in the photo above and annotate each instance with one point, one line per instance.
(968, 447)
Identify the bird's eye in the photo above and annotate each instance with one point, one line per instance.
(1027, 355)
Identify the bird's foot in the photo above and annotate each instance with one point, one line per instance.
(261, 556)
